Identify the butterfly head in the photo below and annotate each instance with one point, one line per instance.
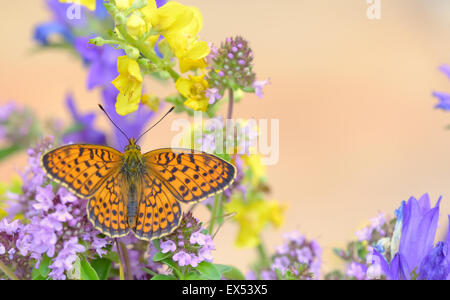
(132, 146)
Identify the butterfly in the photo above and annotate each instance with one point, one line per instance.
(137, 192)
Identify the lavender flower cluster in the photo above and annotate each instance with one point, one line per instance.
(298, 258)
(57, 228)
(16, 125)
(189, 243)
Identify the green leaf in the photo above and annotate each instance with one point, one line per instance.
(87, 271)
(193, 276)
(102, 266)
(43, 266)
(230, 272)
(148, 271)
(223, 268)
(159, 256)
(157, 244)
(208, 270)
(36, 275)
(112, 256)
(164, 277)
(174, 266)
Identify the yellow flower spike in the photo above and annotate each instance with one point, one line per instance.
(180, 26)
(90, 4)
(129, 83)
(193, 89)
(252, 218)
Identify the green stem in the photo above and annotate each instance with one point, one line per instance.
(7, 271)
(263, 256)
(124, 261)
(147, 51)
(213, 215)
(230, 103)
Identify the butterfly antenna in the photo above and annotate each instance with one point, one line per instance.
(101, 107)
(173, 107)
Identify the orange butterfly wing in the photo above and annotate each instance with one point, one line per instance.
(173, 176)
(107, 208)
(190, 175)
(158, 212)
(91, 171)
(81, 168)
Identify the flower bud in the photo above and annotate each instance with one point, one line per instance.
(132, 52)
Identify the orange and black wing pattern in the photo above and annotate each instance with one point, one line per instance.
(107, 208)
(158, 212)
(81, 168)
(191, 176)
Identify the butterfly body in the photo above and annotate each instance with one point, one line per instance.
(137, 192)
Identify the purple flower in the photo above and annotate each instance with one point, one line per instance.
(436, 265)
(182, 258)
(102, 62)
(268, 275)
(44, 198)
(87, 133)
(445, 69)
(57, 221)
(66, 257)
(418, 230)
(194, 246)
(213, 95)
(444, 100)
(356, 270)
(167, 246)
(259, 85)
(302, 258)
(205, 254)
(416, 252)
(63, 26)
(199, 238)
(281, 263)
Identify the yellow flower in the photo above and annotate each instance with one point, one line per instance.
(180, 26)
(252, 218)
(90, 4)
(173, 17)
(139, 22)
(193, 89)
(124, 4)
(129, 83)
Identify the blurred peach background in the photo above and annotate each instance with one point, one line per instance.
(358, 132)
